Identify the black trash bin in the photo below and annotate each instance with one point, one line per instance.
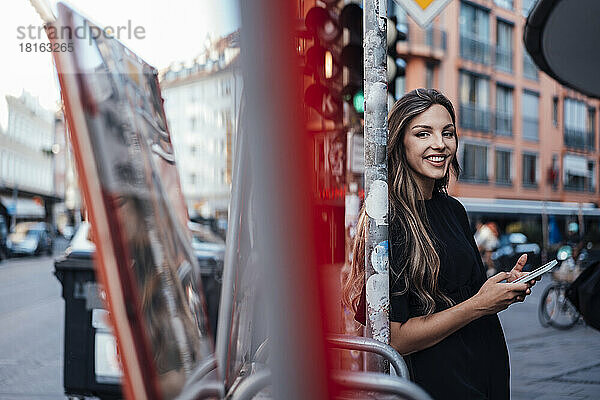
(90, 358)
(91, 366)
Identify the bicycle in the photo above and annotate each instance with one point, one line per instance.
(555, 309)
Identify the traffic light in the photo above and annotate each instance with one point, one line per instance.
(322, 61)
(326, 101)
(351, 18)
(396, 66)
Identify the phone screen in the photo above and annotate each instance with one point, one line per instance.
(537, 272)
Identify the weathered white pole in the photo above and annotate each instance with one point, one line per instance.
(376, 188)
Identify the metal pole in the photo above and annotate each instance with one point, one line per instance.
(545, 240)
(376, 188)
(284, 253)
(15, 198)
(580, 220)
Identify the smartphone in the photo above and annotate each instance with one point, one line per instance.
(537, 272)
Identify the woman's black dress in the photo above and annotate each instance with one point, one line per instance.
(471, 363)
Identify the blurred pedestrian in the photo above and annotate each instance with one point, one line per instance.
(486, 238)
(442, 306)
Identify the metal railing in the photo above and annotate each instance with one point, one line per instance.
(435, 38)
(373, 346)
(504, 123)
(503, 181)
(471, 177)
(432, 37)
(475, 118)
(475, 50)
(579, 186)
(504, 59)
(578, 139)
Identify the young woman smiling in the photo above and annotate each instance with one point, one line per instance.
(442, 309)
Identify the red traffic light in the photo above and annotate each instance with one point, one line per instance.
(325, 101)
(323, 24)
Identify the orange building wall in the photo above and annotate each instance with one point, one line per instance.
(550, 138)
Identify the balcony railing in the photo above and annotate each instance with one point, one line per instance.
(475, 50)
(575, 187)
(581, 140)
(503, 181)
(475, 118)
(504, 59)
(435, 38)
(530, 128)
(503, 123)
(469, 177)
(430, 42)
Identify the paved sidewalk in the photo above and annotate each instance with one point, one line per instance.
(547, 363)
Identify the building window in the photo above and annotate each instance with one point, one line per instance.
(591, 128)
(530, 70)
(503, 163)
(474, 163)
(578, 125)
(554, 171)
(591, 176)
(474, 102)
(429, 70)
(474, 34)
(504, 110)
(508, 4)
(530, 112)
(504, 50)
(578, 173)
(434, 38)
(529, 170)
(527, 6)
(555, 111)
(399, 86)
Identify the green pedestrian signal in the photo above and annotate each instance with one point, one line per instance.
(359, 102)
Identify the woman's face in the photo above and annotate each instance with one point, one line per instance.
(430, 145)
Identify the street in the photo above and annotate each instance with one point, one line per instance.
(31, 317)
(545, 363)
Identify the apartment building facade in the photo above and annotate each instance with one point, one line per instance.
(201, 101)
(522, 135)
(27, 161)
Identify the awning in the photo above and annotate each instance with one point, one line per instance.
(528, 207)
(24, 208)
(562, 38)
(575, 165)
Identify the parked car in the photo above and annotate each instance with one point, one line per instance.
(210, 252)
(208, 247)
(511, 247)
(67, 232)
(30, 238)
(3, 237)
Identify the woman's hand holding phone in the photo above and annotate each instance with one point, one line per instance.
(495, 296)
(517, 271)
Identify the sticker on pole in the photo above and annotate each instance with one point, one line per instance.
(423, 11)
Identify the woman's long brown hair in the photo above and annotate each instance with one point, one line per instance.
(420, 264)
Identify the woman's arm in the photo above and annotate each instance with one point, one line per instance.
(419, 333)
